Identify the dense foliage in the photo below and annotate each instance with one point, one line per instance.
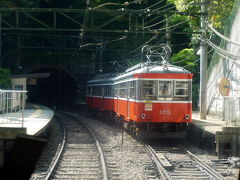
(218, 10)
(5, 79)
(186, 58)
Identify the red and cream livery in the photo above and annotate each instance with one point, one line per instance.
(149, 99)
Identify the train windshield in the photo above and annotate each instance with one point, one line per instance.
(181, 88)
(165, 89)
(149, 90)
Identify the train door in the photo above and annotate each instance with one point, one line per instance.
(103, 89)
(116, 96)
(128, 102)
(91, 95)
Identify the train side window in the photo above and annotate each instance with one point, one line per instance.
(132, 88)
(99, 90)
(181, 89)
(116, 90)
(149, 90)
(87, 90)
(91, 90)
(123, 90)
(111, 90)
(165, 89)
(107, 90)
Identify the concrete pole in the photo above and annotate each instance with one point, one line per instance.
(168, 33)
(101, 58)
(168, 37)
(203, 63)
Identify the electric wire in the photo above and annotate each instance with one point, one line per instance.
(154, 37)
(194, 53)
(222, 36)
(173, 7)
(163, 7)
(180, 44)
(146, 27)
(222, 51)
(175, 25)
(157, 22)
(138, 54)
(153, 5)
(197, 59)
(101, 43)
(124, 4)
(106, 4)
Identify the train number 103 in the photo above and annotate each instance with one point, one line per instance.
(165, 112)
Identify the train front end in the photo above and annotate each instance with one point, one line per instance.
(165, 102)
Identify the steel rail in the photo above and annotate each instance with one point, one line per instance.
(50, 172)
(103, 164)
(162, 171)
(204, 166)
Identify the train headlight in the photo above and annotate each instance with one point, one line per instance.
(187, 116)
(143, 116)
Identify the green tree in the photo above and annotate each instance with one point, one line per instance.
(186, 58)
(218, 10)
(5, 78)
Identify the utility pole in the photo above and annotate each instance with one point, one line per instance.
(168, 33)
(203, 62)
(168, 37)
(101, 57)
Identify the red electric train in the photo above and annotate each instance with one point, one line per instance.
(150, 99)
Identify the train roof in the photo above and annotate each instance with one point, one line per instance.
(149, 67)
(106, 77)
(152, 68)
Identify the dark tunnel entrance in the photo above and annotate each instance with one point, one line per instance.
(58, 90)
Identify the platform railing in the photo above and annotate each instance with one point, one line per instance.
(12, 105)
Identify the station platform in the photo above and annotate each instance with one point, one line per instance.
(215, 132)
(211, 124)
(32, 121)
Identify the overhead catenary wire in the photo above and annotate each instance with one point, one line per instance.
(154, 37)
(197, 59)
(170, 8)
(184, 59)
(124, 4)
(84, 24)
(157, 33)
(101, 43)
(163, 7)
(138, 54)
(152, 5)
(172, 26)
(106, 4)
(146, 27)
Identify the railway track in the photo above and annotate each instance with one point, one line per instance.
(125, 158)
(176, 162)
(80, 155)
